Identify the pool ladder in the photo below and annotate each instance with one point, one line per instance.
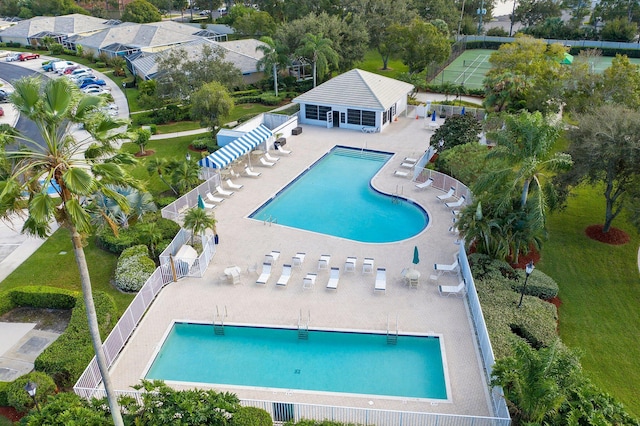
(395, 198)
(303, 326)
(218, 322)
(392, 337)
(270, 220)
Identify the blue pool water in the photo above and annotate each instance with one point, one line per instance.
(355, 363)
(335, 197)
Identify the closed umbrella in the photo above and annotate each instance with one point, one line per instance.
(416, 257)
(433, 116)
(462, 112)
(200, 202)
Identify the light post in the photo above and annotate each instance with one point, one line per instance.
(31, 388)
(528, 270)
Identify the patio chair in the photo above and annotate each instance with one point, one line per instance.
(456, 290)
(297, 260)
(381, 280)
(286, 274)
(367, 265)
(334, 277)
(309, 281)
(221, 191)
(323, 263)
(270, 158)
(266, 273)
(448, 195)
(266, 163)
(444, 269)
(408, 165)
(410, 160)
(251, 173)
(427, 183)
(458, 203)
(208, 205)
(350, 264)
(213, 199)
(272, 257)
(233, 185)
(401, 173)
(283, 151)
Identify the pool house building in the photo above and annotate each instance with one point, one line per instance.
(357, 100)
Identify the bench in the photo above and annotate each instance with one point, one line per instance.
(296, 131)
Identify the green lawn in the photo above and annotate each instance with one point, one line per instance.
(373, 63)
(179, 126)
(600, 293)
(54, 264)
(243, 109)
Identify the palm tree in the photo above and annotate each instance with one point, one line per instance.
(161, 167)
(197, 221)
(274, 56)
(525, 144)
(105, 210)
(184, 175)
(151, 235)
(80, 167)
(319, 51)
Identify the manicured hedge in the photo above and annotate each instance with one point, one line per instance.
(134, 268)
(539, 284)
(68, 356)
(129, 237)
(20, 400)
(3, 394)
(251, 416)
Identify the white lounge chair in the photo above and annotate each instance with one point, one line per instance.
(270, 158)
(309, 281)
(233, 185)
(350, 264)
(297, 260)
(323, 263)
(266, 163)
(427, 183)
(251, 173)
(286, 274)
(455, 204)
(222, 192)
(213, 199)
(367, 265)
(334, 277)
(444, 269)
(448, 195)
(283, 151)
(410, 160)
(272, 257)
(266, 273)
(408, 165)
(401, 173)
(208, 205)
(456, 290)
(381, 280)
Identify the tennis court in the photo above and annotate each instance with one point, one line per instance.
(467, 69)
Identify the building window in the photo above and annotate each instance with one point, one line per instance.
(322, 112)
(315, 112)
(369, 118)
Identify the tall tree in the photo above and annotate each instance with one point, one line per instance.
(422, 45)
(605, 147)
(533, 12)
(210, 104)
(255, 24)
(619, 30)
(319, 51)
(141, 12)
(161, 167)
(621, 83)
(446, 10)
(198, 220)
(525, 144)
(80, 168)
(274, 57)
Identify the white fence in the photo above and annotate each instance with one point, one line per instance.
(90, 380)
(444, 182)
(176, 210)
(186, 267)
(587, 44)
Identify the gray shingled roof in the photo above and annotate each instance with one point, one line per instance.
(65, 25)
(357, 88)
(241, 53)
(140, 35)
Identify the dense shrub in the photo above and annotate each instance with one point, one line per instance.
(248, 99)
(539, 284)
(240, 93)
(43, 297)
(164, 201)
(484, 267)
(56, 49)
(251, 416)
(134, 268)
(268, 99)
(67, 357)
(3, 394)
(19, 399)
(106, 240)
(202, 143)
(101, 64)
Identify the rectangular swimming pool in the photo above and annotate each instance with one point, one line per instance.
(329, 361)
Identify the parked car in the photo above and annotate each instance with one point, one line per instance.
(48, 66)
(86, 82)
(70, 69)
(80, 76)
(13, 57)
(96, 91)
(96, 86)
(1, 112)
(4, 95)
(79, 71)
(27, 56)
(59, 67)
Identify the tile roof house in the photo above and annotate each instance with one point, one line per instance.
(242, 53)
(60, 28)
(357, 100)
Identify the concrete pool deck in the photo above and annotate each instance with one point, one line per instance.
(353, 306)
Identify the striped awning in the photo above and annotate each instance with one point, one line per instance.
(239, 147)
